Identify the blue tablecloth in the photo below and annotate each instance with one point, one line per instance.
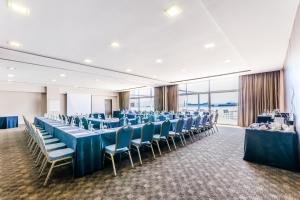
(88, 146)
(8, 122)
(273, 148)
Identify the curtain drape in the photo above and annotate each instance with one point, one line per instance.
(124, 100)
(257, 93)
(166, 98)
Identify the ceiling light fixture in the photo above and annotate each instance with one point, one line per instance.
(183, 70)
(154, 76)
(11, 68)
(115, 45)
(173, 11)
(128, 70)
(14, 44)
(227, 61)
(62, 75)
(53, 80)
(18, 8)
(209, 45)
(10, 75)
(88, 60)
(158, 61)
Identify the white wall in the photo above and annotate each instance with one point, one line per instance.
(292, 72)
(98, 103)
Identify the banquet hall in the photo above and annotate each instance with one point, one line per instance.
(161, 99)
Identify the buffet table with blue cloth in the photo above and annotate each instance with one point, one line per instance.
(87, 145)
(264, 119)
(8, 122)
(273, 148)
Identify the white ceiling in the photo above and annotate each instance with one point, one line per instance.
(253, 34)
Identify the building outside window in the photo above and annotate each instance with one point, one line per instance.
(141, 99)
(212, 95)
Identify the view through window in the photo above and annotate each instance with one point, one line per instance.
(212, 95)
(141, 99)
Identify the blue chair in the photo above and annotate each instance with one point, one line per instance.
(122, 121)
(196, 127)
(162, 118)
(188, 129)
(85, 123)
(203, 126)
(151, 118)
(146, 139)
(164, 134)
(177, 132)
(122, 145)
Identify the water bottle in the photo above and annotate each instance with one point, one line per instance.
(80, 124)
(90, 126)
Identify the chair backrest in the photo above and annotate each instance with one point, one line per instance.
(189, 123)
(147, 132)
(179, 125)
(151, 118)
(123, 137)
(165, 128)
(204, 119)
(85, 123)
(77, 120)
(162, 118)
(121, 122)
(197, 121)
(216, 118)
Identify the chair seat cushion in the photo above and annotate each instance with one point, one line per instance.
(111, 149)
(47, 136)
(55, 146)
(137, 142)
(61, 153)
(50, 141)
(158, 137)
(173, 134)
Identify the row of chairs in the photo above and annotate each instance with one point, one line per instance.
(46, 149)
(124, 141)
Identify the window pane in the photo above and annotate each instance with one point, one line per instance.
(227, 106)
(198, 87)
(141, 99)
(229, 83)
(146, 104)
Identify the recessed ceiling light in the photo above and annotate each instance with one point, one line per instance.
(62, 75)
(53, 80)
(183, 70)
(173, 11)
(128, 70)
(158, 60)
(227, 61)
(88, 60)
(11, 68)
(10, 75)
(209, 45)
(115, 44)
(154, 76)
(14, 44)
(18, 8)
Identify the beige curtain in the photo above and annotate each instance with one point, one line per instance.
(258, 92)
(124, 100)
(166, 98)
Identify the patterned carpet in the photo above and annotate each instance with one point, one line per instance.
(211, 168)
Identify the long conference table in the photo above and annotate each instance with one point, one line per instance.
(88, 146)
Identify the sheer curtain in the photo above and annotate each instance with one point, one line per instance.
(166, 98)
(124, 100)
(257, 93)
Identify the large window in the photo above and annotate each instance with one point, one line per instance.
(217, 95)
(141, 99)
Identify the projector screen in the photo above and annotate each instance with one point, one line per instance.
(79, 103)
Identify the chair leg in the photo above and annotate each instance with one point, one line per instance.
(43, 166)
(129, 154)
(139, 153)
(168, 144)
(181, 140)
(191, 137)
(173, 142)
(49, 173)
(217, 128)
(152, 150)
(113, 163)
(157, 142)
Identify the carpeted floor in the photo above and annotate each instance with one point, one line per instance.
(211, 168)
